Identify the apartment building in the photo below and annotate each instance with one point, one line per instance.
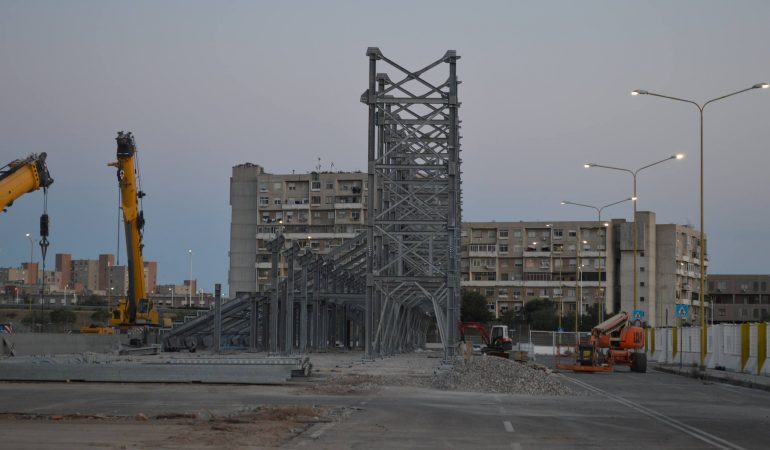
(668, 268)
(511, 263)
(85, 275)
(64, 266)
(739, 298)
(318, 209)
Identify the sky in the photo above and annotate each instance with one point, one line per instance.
(545, 88)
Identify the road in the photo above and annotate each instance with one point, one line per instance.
(652, 410)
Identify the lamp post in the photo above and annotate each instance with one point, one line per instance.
(702, 293)
(189, 288)
(599, 218)
(634, 173)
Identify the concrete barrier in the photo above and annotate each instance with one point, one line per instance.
(23, 344)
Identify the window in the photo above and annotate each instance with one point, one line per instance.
(517, 233)
(491, 234)
(572, 233)
(502, 234)
(292, 187)
(276, 201)
(315, 185)
(264, 201)
(641, 269)
(641, 283)
(277, 186)
(517, 263)
(317, 214)
(329, 200)
(572, 262)
(558, 233)
(641, 299)
(503, 248)
(329, 185)
(503, 276)
(722, 312)
(544, 264)
(341, 214)
(262, 187)
(532, 233)
(641, 254)
(557, 263)
(489, 292)
(330, 215)
(315, 199)
(355, 215)
(315, 245)
(756, 286)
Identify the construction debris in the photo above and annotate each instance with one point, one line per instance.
(498, 375)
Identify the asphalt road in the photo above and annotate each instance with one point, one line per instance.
(652, 410)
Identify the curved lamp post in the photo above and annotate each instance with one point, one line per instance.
(599, 210)
(634, 173)
(702, 293)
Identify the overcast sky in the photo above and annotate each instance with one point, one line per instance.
(205, 86)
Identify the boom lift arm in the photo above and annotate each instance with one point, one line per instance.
(136, 309)
(22, 176)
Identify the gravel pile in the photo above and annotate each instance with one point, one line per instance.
(498, 375)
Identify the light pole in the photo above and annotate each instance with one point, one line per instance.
(634, 173)
(599, 218)
(189, 300)
(702, 293)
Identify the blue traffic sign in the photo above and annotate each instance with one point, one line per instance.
(638, 314)
(682, 311)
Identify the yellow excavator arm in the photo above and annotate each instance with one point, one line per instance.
(136, 309)
(22, 176)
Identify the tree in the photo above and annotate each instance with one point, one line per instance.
(474, 308)
(541, 314)
(62, 316)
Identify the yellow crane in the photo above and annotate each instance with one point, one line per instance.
(135, 309)
(23, 176)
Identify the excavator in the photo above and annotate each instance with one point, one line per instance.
(616, 341)
(496, 343)
(23, 176)
(135, 310)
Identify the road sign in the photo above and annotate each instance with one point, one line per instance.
(638, 314)
(682, 311)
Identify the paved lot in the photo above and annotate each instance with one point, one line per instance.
(652, 410)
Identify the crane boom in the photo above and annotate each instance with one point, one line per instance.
(135, 309)
(23, 176)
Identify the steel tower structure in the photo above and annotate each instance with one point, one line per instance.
(414, 204)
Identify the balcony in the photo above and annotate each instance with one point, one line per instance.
(348, 205)
(293, 206)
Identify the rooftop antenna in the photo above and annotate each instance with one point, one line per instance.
(318, 167)
(331, 169)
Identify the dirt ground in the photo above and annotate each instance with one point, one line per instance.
(266, 427)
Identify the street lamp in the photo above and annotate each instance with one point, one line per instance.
(599, 219)
(189, 288)
(702, 293)
(634, 173)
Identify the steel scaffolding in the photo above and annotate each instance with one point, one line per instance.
(383, 289)
(414, 205)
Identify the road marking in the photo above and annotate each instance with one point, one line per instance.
(508, 426)
(364, 402)
(697, 433)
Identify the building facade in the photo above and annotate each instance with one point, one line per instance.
(511, 263)
(318, 209)
(668, 269)
(739, 298)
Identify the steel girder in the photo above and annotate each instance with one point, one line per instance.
(414, 204)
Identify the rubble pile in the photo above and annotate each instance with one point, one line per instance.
(499, 375)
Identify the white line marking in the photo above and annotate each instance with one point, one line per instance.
(363, 403)
(692, 431)
(508, 426)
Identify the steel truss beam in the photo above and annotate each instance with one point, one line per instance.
(414, 205)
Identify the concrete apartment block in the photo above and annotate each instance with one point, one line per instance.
(739, 297)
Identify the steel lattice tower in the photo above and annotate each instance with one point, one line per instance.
(414, 205)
